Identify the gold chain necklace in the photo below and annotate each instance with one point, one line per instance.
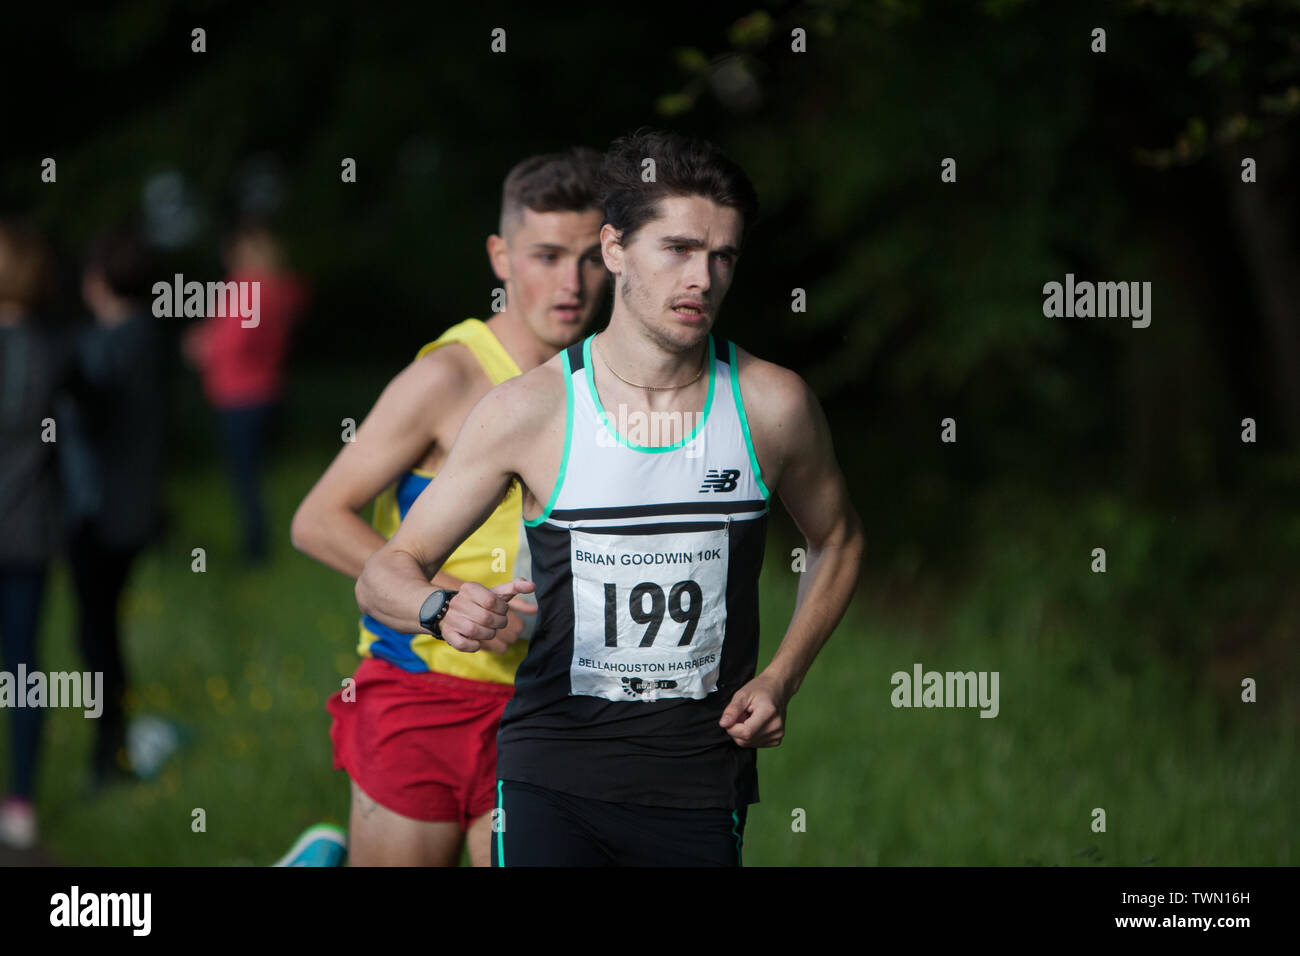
(656, 388)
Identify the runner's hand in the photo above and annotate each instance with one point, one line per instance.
(514, 629)
(477, 614)
(756, 715)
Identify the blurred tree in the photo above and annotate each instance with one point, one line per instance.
(920, 290)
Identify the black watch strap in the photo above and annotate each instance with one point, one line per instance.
(434, 609)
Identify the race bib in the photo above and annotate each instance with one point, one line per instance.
(649, 612)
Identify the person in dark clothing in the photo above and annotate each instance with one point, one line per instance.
(117, 492)
(31, 369)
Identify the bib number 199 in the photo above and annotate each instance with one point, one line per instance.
(683, 604)
(649, 613)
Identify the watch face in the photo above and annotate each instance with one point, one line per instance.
(432, 609)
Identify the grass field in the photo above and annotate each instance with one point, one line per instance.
(244, 660)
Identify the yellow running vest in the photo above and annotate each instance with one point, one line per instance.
(487, 556)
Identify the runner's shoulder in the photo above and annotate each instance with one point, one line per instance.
(775, 397)
(528, 401)
(446, 371)
(429, 394)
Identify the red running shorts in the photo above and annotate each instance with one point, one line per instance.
(423, 745)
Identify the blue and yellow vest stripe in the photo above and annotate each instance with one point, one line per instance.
(486, 556)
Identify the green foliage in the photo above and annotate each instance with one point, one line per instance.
(752, 31)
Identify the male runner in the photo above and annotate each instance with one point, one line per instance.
(419, 739)
(632, 733)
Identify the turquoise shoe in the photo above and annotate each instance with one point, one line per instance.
(321, 845)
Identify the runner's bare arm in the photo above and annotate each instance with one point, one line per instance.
(793, 441)
(414, 408)
(497, 436)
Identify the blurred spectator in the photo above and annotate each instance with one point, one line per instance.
(115, 486)
(243, 370)
(30, 374)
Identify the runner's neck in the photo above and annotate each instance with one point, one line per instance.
(527, 350)
(619, 379)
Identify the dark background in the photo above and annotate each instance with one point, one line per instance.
(924, 302)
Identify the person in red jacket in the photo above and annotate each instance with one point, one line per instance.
(241, 362)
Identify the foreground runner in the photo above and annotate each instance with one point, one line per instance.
(631, 736)
(419, 740)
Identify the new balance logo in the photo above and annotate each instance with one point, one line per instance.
(720, 479)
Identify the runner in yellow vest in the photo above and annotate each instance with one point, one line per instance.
(489, 556)
(416, 732)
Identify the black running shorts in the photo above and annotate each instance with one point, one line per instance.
(536, 826)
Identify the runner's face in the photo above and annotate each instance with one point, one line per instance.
(678, 269)
(556, 275)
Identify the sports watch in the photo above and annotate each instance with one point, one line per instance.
(434, 609)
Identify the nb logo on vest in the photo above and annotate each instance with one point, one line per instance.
(720, 479)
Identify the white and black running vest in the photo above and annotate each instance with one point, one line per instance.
(646, 561)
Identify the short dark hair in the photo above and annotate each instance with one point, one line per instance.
(554, 182)
(122, 258)
(684, 166)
